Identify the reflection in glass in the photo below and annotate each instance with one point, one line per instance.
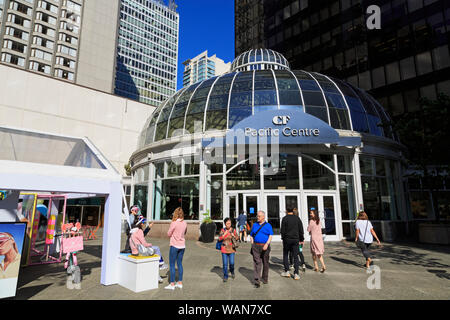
(316, 176)
(282, 173)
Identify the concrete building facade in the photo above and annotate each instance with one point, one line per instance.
(203, 67)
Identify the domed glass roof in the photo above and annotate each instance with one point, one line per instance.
(221, 102)
(260, 59)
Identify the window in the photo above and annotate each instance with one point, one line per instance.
(441, 58)
(428, 92)
(392, 73)
(9, 58)
(378, 77)
(407, 68)
(423, 61)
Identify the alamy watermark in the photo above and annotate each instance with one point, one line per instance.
(374, 19)
(374, 281)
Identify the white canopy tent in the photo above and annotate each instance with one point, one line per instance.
(42, 162)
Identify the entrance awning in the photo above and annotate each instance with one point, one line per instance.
(281, 127)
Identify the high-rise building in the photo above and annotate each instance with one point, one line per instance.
(203, 67)
(406, 59)
(41, 35)
(147, 50)
(61, 39)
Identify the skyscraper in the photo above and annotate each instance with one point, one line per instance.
(407, 59)
(203, 67)
(147, 50)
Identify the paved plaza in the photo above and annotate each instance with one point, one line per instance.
(408, 271)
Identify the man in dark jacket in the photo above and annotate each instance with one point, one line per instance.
(292, 236)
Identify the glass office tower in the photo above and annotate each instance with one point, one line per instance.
(408, 58)
(147, 51)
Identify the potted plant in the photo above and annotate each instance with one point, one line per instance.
(208, 229)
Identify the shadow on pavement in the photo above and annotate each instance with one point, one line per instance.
(247, 273)
(346, 261)
(217, 270)
(440, 273)
(29, 292)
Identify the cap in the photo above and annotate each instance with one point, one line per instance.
(312, 208)
(141, 220)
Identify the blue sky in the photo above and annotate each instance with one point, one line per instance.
(205, 25)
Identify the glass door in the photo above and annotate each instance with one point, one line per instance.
(325, 205)
(232, 206)
(276, 205)
(251, 205)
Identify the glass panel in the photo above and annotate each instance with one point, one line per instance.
(241, 98)
(174, 168)
(288, 89)
(176, 127)
(195, 114)
(380, 167)
(347, 196)
(251, 203)
(345, 163)
(420, 204)
(216, 116)
(264, 89)
(282, 173)
(316, 176)
(173, 193)
(159, 170)
(141, 197)
(366, 165)
(291, 202)
(329, 215)
(191, 166)
(273, 213)
(17, 145)
(312, 203)
(215, 186)
(371, 198)
(244, 177)
(233, 210)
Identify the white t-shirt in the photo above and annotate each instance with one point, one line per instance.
(362, 225)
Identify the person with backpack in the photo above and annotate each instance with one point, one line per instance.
(261, 236)
(228, 236)
(364, 236)
(292, 236)
(242, 224)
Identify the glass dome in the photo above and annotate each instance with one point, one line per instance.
(260, 59)
(221, 102)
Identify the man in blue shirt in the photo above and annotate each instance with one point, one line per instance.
(242, 224)
(261, 236)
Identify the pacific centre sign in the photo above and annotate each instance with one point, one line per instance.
(282, 127)
(282, 120)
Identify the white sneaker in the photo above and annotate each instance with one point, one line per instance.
(160, 280)
(286, 274)
(170, 287)
(163, 266)
(180, 286)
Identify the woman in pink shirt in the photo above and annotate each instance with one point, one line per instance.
(316, 244)
(176, 232)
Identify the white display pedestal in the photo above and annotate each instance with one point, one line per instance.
(139, 274)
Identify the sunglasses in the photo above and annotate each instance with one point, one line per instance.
(4, 237)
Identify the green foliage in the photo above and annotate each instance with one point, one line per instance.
(207, 217)
(127, 168)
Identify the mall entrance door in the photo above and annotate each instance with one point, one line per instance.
(276, 205)
(238, 202)
(325, 205)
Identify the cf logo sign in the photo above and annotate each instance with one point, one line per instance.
(281, 120)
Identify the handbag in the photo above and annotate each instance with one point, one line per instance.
(359, 243)
(219, 244)
(251, 251)
(234, 242)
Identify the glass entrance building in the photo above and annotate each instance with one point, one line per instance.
(265, 137)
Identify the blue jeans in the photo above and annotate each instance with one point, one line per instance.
(176, 255)
(227, 257)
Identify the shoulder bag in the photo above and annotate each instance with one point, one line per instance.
(251, 252)
(234, 242)
(359, 243)
(219, 244)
